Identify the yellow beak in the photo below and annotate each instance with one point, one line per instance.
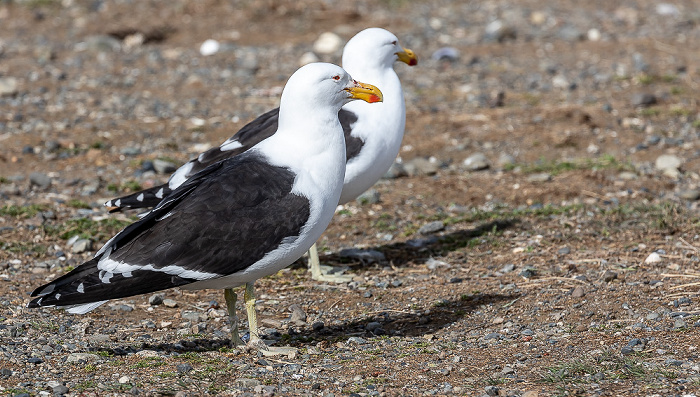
(408, 57)
(365, 92)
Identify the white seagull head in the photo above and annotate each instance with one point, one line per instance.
(326, 86)
(375, 48)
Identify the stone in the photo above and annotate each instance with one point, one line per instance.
(528, 272)
(420, 166)
(539, 177)
(397, 170)
(307, 58)
(446, 54)
(245, 382)
(689, 194)
(643, 100)
(59, 390)
(169, 303)
(564, 251)
(39, 179)
(507, 268)
(371, 196)
(578, 292)
(298, 316)
(499, 31)
(476, 162)
(155, 300)
(183, 368)
(81, 245)
(100, 43)
(431, 227)
(609, 276)
(505, 160)
(627, 176)
(209, 47)
(667, 161)
(81, 358)
(164, 166)
(654, 257)
(318, 325)
(8, 86)
(593, 34)
(327, 43)
(679, 323)
(491, 390)
(667, 9)
(124, 380)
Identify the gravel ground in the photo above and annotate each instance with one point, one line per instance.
(537, 236)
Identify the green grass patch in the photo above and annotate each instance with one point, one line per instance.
(21, 247)
(87, 228)
(128, 186)
(608, 366)
(78, 204)
(650, 112)
(556, 167)
(22, 211)
(150, 362)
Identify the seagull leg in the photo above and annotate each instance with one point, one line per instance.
(318, 275)
(255, 341)
(231, 299)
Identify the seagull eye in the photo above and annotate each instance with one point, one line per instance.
(394, 42)
(336, 77)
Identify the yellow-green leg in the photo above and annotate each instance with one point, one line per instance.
(231, 299)
(318, 275)
(249, 297)
(255, 341)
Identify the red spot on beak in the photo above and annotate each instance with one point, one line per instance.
(373, 98)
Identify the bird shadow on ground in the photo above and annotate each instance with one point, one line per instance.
(419, 250)
(413, 323)
(382, 322)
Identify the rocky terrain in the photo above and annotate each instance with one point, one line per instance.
(537, 236)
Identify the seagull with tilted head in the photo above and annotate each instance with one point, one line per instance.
(373, 133)
(237, 220)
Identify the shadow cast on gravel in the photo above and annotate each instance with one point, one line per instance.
(383, 322)
(422, 248)
(413, 323)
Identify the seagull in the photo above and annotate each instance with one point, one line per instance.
(237, 220)
(373, 132)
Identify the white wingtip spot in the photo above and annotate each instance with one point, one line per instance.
(81, 288)
(139, 197)
(160, 193)
(127, 274)
(230, 145)
(82, 309)
(108, 204)
(118, 203)
(58, 296)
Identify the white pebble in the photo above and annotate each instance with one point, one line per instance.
(593, 34)
(307, 58)
(124, 379)
(209, 47)
(327, 43)
(653, 258)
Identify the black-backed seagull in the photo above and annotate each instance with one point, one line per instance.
(236, 220)
(373, 133)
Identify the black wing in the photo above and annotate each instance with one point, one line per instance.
(353, 145)
(219, 222)
(263, 127)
